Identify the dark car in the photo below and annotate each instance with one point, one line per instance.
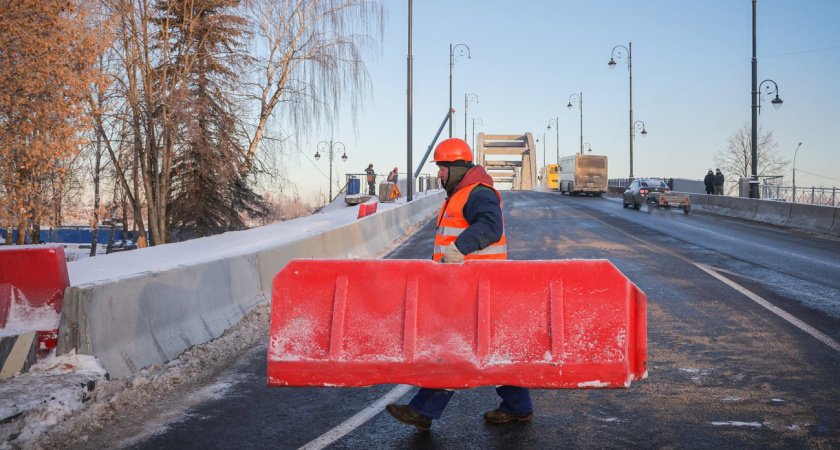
(120, 245)
(636, 194)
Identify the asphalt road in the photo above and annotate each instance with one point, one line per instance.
(743, 331)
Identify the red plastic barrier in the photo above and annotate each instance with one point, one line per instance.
(32, 284)
(366, 209)
(540, 324)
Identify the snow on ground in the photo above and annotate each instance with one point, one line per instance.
(70, 397)
(65, 400)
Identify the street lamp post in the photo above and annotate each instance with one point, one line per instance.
(480, 122)
(614, 55)
(467, 98)
(543, 141)
(580, 103)
(636, 125)
(794, 171)
(756, 109)
(461, 52)
(557, 128)
(331, 145)
(777, 103)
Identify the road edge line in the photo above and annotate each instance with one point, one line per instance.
(357, 420)
(819, 335)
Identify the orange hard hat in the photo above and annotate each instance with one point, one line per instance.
(453, 149)
(395, 169)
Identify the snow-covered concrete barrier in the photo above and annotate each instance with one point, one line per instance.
(801, 216)
(143, 307)
(359, 238)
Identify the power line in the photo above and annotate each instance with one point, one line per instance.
(695, 83)
(803, 51)
(734, 66)
(818, 175)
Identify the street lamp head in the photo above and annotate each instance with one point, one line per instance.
(344, 157)
(644, 132)
(317, 156)
(777, 102)
(611, 63)
(549, 127)
(569, 105)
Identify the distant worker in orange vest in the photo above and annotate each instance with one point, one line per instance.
(392, 177)
(371, 179)
(470, 226)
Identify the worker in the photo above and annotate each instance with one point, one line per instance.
(470, 226)
(371, 179)
(392, 177)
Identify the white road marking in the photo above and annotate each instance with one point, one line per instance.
(354, 422)
(775, 310)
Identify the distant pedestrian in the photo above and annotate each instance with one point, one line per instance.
(392, 177)
(371, 179)
(718, 182)
(709, 181)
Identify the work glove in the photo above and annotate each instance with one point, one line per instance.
(452, 255)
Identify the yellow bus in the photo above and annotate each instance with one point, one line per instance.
(551, 180)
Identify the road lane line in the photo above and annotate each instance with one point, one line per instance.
(361, 417)
(776, 310)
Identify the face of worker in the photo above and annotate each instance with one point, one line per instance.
(443, 174)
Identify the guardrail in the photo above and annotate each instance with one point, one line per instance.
(825, 196)
(813, 195)
(814, 218)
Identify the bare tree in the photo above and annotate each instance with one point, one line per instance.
(156, 44)
(313, 62)
(736, 160)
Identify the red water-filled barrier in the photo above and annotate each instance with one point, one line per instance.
(538, 324)
(32, 284)
(366, 209)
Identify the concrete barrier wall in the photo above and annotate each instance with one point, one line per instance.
(744, 209)
(149, 319)
(811, 217)
(133, 322)
(364, 237)
(835, 228)
(814, 218)
(775, 213)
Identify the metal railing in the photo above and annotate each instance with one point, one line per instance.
(826, 196)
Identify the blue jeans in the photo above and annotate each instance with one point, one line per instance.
(431, 402)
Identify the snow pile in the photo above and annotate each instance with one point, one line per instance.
(51, 391)
(75, 397)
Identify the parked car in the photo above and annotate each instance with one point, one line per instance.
(636, 194)
(120, 245)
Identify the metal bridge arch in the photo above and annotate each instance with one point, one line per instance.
(509, 158)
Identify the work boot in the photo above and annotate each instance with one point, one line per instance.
(407, 415)
(499, 416)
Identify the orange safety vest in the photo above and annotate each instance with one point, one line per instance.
(451, 224)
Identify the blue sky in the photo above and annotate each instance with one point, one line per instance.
(691, 82)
